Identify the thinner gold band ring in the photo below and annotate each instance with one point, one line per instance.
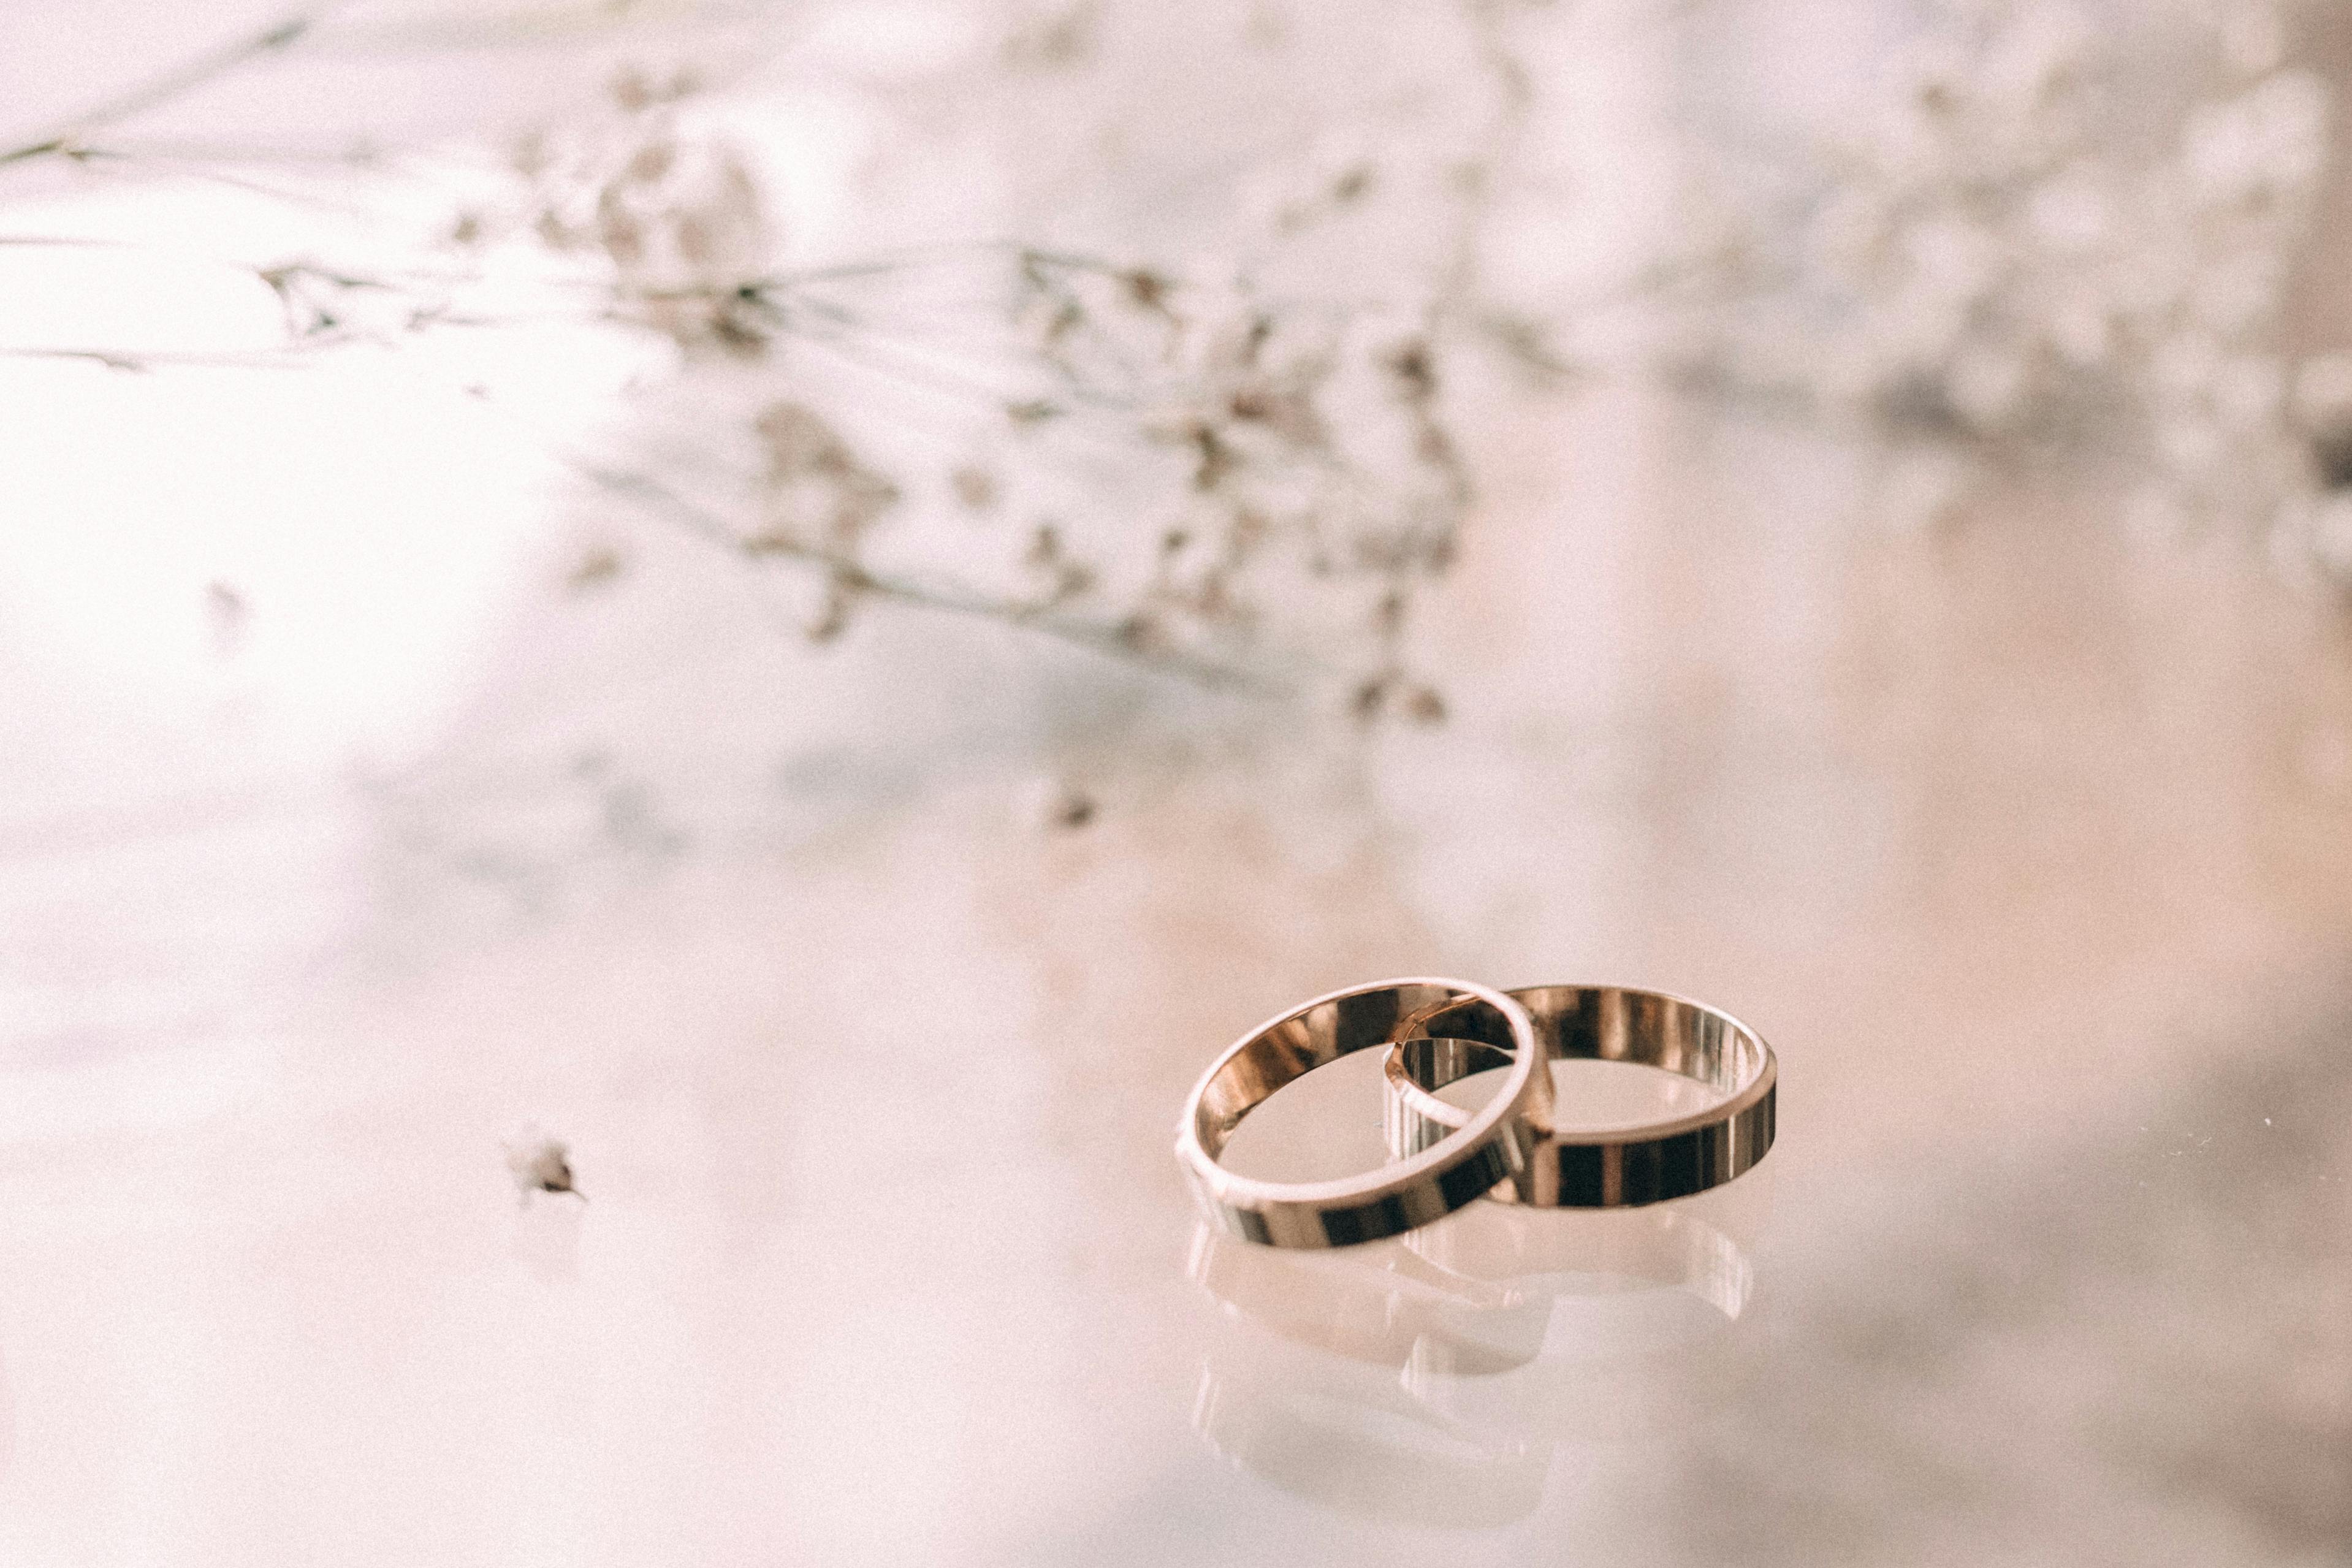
(1446, 1172)
(1607, 1168)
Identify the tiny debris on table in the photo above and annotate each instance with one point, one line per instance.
(540, 1164)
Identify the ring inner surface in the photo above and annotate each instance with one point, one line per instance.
(1324, 1033)
(1434, 1063)
(1591, 1023)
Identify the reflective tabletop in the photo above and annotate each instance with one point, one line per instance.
(2023, 842)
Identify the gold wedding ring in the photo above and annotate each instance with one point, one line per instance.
(1444, 1170)
(1606, 1168)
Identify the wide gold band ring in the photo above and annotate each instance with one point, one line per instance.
(1606, 1168)
(1442, 1173)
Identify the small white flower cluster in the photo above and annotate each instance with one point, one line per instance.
(1286, 457)
(2031, 237)
(648, 185)
(1951, 238)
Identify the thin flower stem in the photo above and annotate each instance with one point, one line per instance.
(464, 27)
(67, 138)
(141, 360)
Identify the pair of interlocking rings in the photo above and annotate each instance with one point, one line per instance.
(1443, 1156)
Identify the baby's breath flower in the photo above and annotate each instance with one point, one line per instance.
(1994, 260)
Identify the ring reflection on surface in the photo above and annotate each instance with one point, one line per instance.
(1492, 1335)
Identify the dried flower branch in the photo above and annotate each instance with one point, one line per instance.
(856, 579)
(1227, 387)
(1177, 467)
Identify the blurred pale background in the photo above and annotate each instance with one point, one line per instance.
(822, 602)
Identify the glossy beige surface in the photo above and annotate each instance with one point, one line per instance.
(2026, 846)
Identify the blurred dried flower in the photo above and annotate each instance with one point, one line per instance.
(539, 1164)
(2322, 412)
(842, 592)
(595, 568)
(1992, 260)
(975, 487)
(1061, 36)
(1059, 806)
(226, 608)
(1065, 578)
(819, 497)
(665, 197)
